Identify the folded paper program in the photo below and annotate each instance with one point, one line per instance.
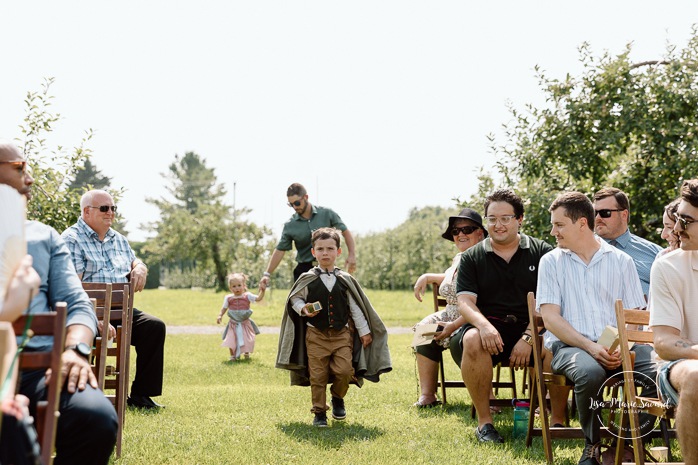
(424, 334)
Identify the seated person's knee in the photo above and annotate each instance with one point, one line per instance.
(472, 344)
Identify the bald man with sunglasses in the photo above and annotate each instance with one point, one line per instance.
(103, 255)
(612, 213)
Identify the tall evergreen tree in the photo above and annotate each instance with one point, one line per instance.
(89, 175)
(198, 228)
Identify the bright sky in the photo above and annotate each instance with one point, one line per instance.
(375, 106)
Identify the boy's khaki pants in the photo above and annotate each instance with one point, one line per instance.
(329, 354)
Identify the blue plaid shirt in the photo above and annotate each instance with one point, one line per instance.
(107, 261)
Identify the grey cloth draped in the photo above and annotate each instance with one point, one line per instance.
(237, 317)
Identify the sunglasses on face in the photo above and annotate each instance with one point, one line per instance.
(105, 208)
(685, 222)
(607, 212)
(19, 165)
(296, 203)
(465, 230)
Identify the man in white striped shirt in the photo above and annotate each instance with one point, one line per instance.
(578, 284)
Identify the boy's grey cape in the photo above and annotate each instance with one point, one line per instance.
(369, 362)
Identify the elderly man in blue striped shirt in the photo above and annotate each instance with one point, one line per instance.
(578, 284)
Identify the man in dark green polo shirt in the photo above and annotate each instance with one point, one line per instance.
(298, 231)
(494, 278)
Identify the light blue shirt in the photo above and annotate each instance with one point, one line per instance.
(59, 282)
(643, 253)
(585, 293)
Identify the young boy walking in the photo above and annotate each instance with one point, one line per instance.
(330, 333)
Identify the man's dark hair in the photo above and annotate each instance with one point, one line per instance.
(325, 233)
(296, 189)
(619, 195)
(508, 196)
(576, 205)
(689, 191)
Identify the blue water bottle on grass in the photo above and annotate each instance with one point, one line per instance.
(521, 412)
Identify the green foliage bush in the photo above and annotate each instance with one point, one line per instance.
(619, 123)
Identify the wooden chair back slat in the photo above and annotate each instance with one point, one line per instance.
(540, 380)
(654, 406)
(101, 303)
(46, 324)
(120, 314)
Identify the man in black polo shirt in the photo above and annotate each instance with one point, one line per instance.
(494, 278)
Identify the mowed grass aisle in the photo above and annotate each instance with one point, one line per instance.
(233, 413)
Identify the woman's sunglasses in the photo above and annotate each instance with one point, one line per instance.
(465, 230)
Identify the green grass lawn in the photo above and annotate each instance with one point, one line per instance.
(201, 307)
(246, 413)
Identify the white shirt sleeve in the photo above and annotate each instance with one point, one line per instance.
(298, 300)
(358, 317)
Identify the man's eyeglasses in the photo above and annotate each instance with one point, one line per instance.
(20, 165)
(685, 222)
(465, 230)
(503, 220)
(607, 212)
(297, 203)
(105, 208)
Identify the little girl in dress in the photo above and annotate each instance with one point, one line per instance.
(239, 334)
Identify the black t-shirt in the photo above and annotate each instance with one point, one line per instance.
(500, 287)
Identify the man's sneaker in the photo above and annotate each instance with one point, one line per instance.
(338, 410)
(320, 420)
(591, 454)
(488, 434)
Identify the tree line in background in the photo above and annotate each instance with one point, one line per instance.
(619, 123)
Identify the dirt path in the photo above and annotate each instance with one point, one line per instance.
(263, 329)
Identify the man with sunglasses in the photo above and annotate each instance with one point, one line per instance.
(674, 320)
(298, 231)
(612, 209)
(87, 425)
(103, 255)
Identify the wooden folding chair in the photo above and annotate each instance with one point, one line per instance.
(116, 373)
(628, 333)
(99, 350)
(443, 383)
(8, 350)
(540, 381)
(46, 324)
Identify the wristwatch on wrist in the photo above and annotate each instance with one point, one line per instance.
(528, 338)
(266, 274)
(81, 349)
